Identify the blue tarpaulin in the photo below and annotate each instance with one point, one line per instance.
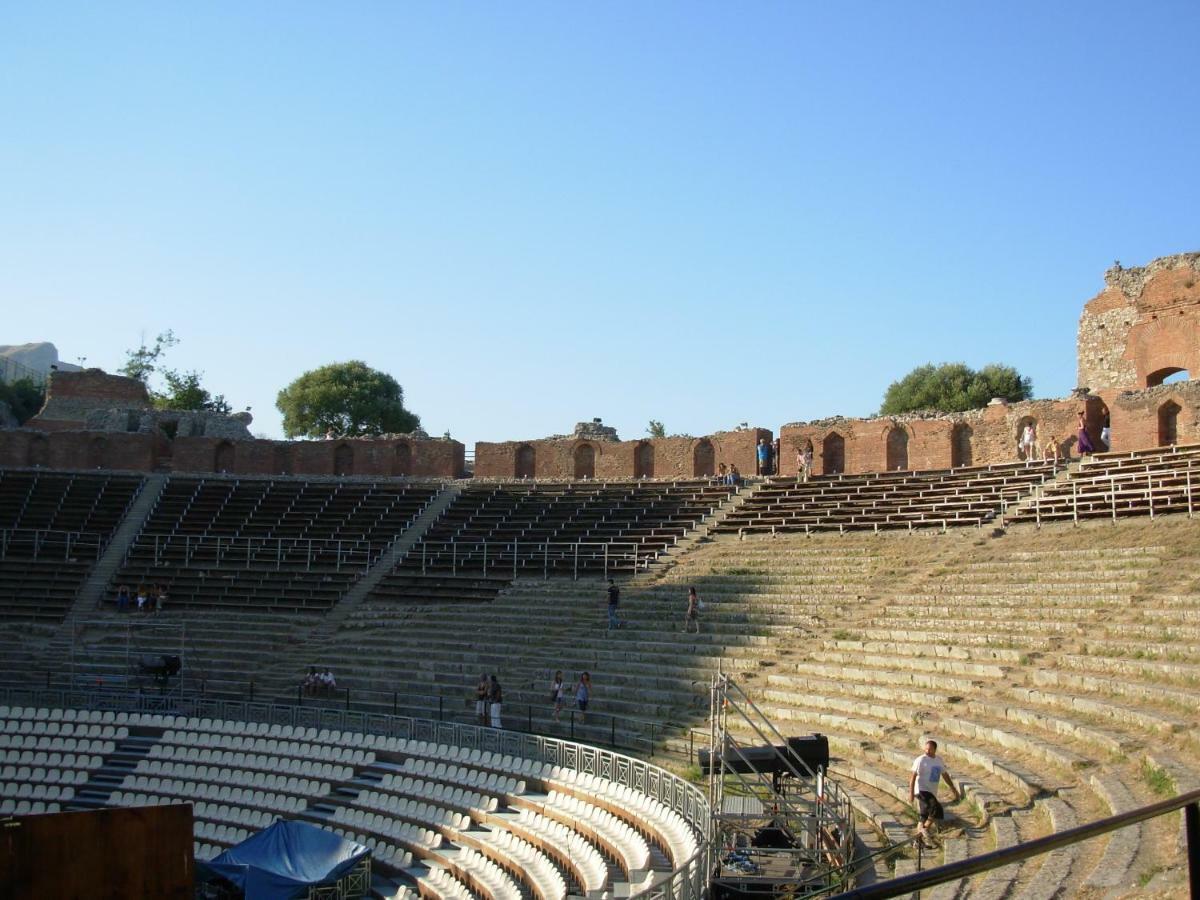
(285, 860)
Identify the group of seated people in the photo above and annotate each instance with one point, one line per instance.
(729, 476)
(150, 598)
(316, 682)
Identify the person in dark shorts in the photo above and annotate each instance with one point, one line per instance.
(928, 770)
(583, 694)
(614, 601)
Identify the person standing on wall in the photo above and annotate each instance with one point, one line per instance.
(764, 457)
(495, 699)
(1084, 439)
(928, 771)
(614, 602)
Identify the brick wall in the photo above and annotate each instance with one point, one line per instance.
(80, 450)
(1138, 416)
(661, 458)
(70, 396)
(1146, 320)
(380, 458)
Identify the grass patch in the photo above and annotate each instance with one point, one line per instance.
(842, 635)
(1159, 780)
(1148, 876)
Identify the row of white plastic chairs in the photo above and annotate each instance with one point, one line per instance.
(270, 746)
(11, 807)
(497, 882)
(415, 811)
(679, 835)
(222, 834)
(587, 861)
(38, 728)
(47, 744)
(232, 759)
(54, 714)
(27, 791)
(193, 790)
(432, 791)
(43, 775)
(388, 827)
(50, 759)
(284, 784)
(533, 862)
(442, 883)
(440, 771)
(228, 814)
(631, 848)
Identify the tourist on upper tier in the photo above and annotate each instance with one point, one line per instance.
(557, 693)
(722, 475)
(583, 694)
(160, 599)
(1029, 441)
(735, 477)
(928, 771)
(764, 457)
(141, 598)
(693, 612)
(1050, 451)
(775, 457)
(1106, 433)
(481, 698)
(614, 601)
(122, 598)
(1085, 439)
(328, 681)
(808, 460)
(495, 700)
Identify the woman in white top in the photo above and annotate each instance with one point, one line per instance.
(1029, 441)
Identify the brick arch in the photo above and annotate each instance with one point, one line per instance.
(704, 459)
(97, 452)
(39, 451)
(1168, 423)
(525, 461)
(833, 454)
(962, 453)
(281, 460)
(585, 461)
(402, 459)
(343, 460)
(1157, 377)
(223, 457)
(643, 460)
(896, 448)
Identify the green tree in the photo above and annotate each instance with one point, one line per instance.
(24, 397)
(347, 399)
(953, 387)
(183, 390)
(656, 429)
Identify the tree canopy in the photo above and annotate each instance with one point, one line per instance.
(24, 397)
(182, 390)
(656, 429)
(954, 387)
(347, 399)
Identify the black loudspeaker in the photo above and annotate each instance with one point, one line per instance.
(804, 754)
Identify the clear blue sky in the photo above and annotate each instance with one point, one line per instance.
(535, 213)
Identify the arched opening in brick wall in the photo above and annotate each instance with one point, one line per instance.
(39, 451)
(585, 461)
(402, 459)
(704, 460)
(961, 453)
(643, 460)
(97, 453)
(1168, 375)
(1023, 452)
(897, 449)
(223, 457)
(833, 454)
(282, 459)
(525, 462)
(1168, 423)
(343, 460)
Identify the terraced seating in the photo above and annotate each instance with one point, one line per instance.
(407, 586)
(526, 528)
(39, 589)
(887, 500)
(1118, 485)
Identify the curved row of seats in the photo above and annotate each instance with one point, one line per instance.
(234, 777)
(235, 759)
(270, 746)
(25, 791)
(51, 759)
(77, 730)
(11, 807)
(43, 775)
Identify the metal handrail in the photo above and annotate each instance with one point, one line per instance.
(531, 556)
(69, 544)
(1189, 802)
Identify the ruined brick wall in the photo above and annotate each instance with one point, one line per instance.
(1142, 419)
(378, 458)
(70, 396)
(1144, 322)
(660, 458)
(80, 450)
(975, 438)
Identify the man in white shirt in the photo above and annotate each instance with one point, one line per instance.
(927, 770)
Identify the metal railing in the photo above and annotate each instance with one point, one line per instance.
(1189, 802)
(49, 544)
(545, 558)
(251, 552)
(688, 881)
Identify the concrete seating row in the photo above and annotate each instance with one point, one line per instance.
(39, 590)
(65, 501)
